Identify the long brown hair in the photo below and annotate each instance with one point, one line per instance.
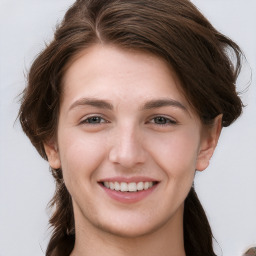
(173, 30)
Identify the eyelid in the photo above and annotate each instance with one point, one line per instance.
(170, 120)
(87, 117)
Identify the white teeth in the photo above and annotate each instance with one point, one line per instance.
(117, 186)
(124, 186)
(106, 184)
(131, 187)
(111, 185)
(146, 185)
(140, 186)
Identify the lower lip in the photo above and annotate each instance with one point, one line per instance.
(128, 197)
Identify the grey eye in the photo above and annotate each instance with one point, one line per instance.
(160, 120)
(94, 120)
(163, 120)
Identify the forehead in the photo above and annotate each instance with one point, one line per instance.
(109, 71)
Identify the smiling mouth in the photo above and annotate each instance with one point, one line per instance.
(128, 186)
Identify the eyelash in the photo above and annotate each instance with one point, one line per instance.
(86, 121)
(167, 121)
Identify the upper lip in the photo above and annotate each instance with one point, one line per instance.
(128, 179)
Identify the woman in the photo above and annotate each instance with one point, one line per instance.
(126, 103)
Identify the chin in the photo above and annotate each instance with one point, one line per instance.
(133, 226)
(128, 232)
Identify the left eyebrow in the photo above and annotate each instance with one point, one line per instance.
(98, 103)
(163, 103)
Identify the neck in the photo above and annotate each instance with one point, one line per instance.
(166, 240)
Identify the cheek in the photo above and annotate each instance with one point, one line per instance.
(80, 153)
(176, 153)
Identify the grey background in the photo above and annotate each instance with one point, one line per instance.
(227, 188)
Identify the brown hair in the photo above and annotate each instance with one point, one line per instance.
(173, 30)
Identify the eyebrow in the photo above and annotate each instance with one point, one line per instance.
(103, 104)
(92, 102)
(163, 103)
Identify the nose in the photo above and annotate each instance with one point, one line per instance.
(127, 149)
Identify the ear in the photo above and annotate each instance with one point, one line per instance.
(210, 137)
(51, 150)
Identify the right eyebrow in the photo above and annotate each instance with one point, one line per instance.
(158, 103)
(92, 102)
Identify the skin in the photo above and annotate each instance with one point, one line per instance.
(131, 137)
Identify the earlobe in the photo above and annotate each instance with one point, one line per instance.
(209, 142)
(52, 153)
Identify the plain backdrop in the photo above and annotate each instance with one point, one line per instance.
(227, 188)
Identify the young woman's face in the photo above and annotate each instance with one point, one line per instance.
(128, 142)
